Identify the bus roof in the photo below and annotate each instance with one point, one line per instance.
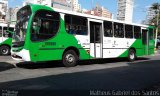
(84, 15)
(95, 17)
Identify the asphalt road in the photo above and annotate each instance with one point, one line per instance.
(51, 78)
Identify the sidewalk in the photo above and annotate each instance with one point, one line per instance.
(157, 51)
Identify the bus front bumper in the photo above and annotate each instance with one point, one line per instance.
(23, 55)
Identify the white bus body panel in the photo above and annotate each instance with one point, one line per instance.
(1, 40)
(114, 47)
(96, 50)
(24, 54)
(83, 41)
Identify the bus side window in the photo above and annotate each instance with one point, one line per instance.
(5, 34)
(128, 31)
(78, 25)
(108, 32)
(74, 30)
(67, 27)
(137, 32)
(118, 30)
(71, 31)
(10, 29)
(45, 25)
(36, 25)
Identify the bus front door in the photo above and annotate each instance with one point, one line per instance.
(145, 41)
(95, 39)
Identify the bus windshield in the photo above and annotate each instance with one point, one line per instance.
(23, 16)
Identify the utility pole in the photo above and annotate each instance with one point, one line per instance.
(10, 14)
(158, 11)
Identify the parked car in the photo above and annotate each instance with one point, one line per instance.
(158, 42)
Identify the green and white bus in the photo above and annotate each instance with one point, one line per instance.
(44, 34)
(5, 39)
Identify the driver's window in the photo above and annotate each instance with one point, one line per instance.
(36, 25)
(45, 25)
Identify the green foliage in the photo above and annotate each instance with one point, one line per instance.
(156, 8)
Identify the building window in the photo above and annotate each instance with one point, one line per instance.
(108, 31)
(137, 32)
(76, 25)
(118, 30)
(45, 25)
(128, 31)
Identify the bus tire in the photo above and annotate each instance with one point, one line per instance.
(4, 50)
(70, 58)
(131, 55)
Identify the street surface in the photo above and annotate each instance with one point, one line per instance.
(109, 74)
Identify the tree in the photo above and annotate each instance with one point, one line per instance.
(156, 19)
(155, 6)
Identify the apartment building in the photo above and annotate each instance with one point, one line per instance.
(125, 10)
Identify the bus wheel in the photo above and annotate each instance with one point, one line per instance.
(70, 58)
(4, 50)
(131, 55)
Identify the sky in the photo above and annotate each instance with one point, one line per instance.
(139, 13)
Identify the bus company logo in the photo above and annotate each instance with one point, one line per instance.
(50, 43)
